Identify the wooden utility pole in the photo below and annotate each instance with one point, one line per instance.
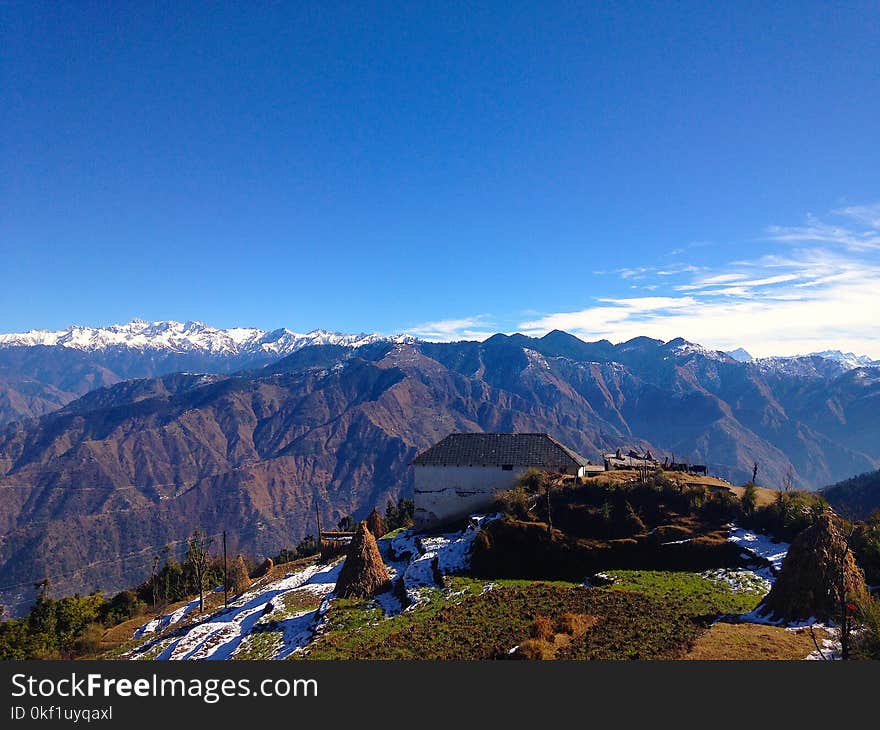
(318, 521)
(225, 575)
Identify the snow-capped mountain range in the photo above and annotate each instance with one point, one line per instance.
(186, 337)
(806, 364)
(169, 337)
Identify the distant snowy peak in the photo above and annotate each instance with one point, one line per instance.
(740, 355)
(682, 348)
(825, 364)
(848, 359)
(187, 337)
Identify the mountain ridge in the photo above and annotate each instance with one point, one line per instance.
(135, 464)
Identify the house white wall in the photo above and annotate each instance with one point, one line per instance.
(447, 492)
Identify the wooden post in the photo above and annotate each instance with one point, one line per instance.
(225, 575)
(318, 520)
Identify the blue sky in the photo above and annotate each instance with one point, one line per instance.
(612, 169)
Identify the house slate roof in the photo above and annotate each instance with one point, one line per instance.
(500, 449)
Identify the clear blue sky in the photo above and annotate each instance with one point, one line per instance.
(399, 166)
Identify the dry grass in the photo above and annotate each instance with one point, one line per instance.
(542, 628)
(536, 649)
(623, 476)
(576, 624)
(548, 639)
(725, 641)
(763, 496)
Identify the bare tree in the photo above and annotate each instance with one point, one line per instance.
(788, 482)
(197, 557)
(755, 473)
(154, 580)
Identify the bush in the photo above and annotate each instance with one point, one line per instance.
(535, 649)
(866, 642)
(749, 500)
(515, 502)
(576, 624)
(541, 628)
(89, 641)
(532, 481)
(789, 514)
(865, 544)
(720, 507)
(124, 606)
(632, 523)
(400, 514)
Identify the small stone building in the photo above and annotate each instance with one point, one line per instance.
(460, 474)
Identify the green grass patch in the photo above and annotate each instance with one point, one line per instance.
(262, 643)
(295, 602)
(694, 594)
(466, 622)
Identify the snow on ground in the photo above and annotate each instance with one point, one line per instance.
(221, 633)
(754, 545)
(740, 581)
(160, 623)
(418, 560)
(830, 648)
(429, 557)
(763, 546)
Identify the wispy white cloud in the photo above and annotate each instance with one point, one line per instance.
(802, 299)
(864, 238)
(868, 215)
(478, 327)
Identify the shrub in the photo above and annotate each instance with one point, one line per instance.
(789, 514)
(515, 502)
(532, 481)
(124, 606)
(535, 649)
(541, 628)
(867, 640)
(865, 544)
(89, 641)
(632, 523)
(720, 506)
(400, 514)
(576, 624)
(749, 499)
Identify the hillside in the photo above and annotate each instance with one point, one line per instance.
(857, 497)
(90, 492)
(450, 614)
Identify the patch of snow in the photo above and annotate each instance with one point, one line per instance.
(763, 546)
(740, 581)
(220, 633)
(389, 603)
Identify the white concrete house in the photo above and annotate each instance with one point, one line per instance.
(460, 474)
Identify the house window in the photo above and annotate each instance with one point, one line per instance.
(507, 467)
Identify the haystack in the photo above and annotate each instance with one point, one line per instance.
(376, 524)
(809, 583)
(264, 569)
(363, 574)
